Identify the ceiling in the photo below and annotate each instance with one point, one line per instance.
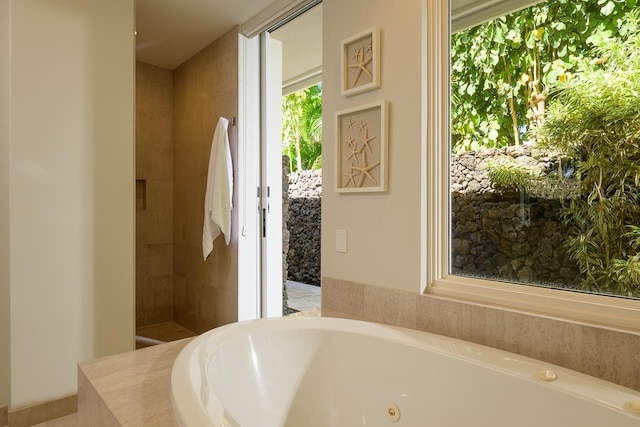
(172, 31)
(301, 50)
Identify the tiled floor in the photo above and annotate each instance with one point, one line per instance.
(68, 421)
(303, 297)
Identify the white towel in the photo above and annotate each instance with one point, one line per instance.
(217, 200)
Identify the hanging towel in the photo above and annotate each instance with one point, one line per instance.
(217, 200)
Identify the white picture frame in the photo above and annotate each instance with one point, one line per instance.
(361, 148)
(360, 62)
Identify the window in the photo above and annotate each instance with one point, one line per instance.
(499, 228)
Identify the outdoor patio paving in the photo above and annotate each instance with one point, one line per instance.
(302, 297)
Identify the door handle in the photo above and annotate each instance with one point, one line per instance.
(264, 222)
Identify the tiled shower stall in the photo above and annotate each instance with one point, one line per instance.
(176, 114)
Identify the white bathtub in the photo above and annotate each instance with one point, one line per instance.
(333, 372)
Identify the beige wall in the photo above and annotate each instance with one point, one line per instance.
(5, 44)
(72, 200)
(206, 87)
(383, 229)
(154, 208)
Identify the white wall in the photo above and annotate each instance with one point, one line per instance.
(383, 229)
(71, 190)
(4, 201)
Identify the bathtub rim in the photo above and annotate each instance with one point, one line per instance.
(185, 398)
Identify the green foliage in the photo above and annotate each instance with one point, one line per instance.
(595, 117)
(302, 128)
(510, 176)
(501, 70)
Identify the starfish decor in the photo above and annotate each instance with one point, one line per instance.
(365, 170)
(362, 58)
(355, 142)
(366, 139)
(351, 175)
(352, 146)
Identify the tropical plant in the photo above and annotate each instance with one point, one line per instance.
(302, 128)
(595, 117)
(501, 70)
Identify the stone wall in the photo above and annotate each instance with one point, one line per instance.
(500, 235)
(506, 235)
(495, 234)
(285, 230)
(303, 258)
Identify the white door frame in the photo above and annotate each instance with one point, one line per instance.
(248, 179)
(260, 82)
(271, 168)
(260, 178)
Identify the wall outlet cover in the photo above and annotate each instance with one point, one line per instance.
(341, 241)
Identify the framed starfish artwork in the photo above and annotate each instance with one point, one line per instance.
(361, 149)
(360, 62)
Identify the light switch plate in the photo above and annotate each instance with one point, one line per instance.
(341, 241)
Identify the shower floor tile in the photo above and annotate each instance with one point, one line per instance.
(161, 332)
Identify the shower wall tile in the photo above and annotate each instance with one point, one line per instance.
(141, 251)
(154, 165)
(163, 290)
(180, 260)
(140, 151)
(159, 260)
(154, 300)
(227, 305)
(160, 195)
(607, 353)
(158, 162)
(159, 228)
(195, 221)
(154, 105)
(195, 264)
(205, 88)
(179, 292)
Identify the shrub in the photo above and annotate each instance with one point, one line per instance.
(595, 118)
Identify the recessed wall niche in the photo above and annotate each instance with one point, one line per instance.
(141, 194)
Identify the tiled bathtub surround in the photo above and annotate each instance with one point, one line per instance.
(607, 353)
(129, 389)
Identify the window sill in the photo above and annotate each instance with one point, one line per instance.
(589, 308)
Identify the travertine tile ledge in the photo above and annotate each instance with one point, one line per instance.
(132, 389)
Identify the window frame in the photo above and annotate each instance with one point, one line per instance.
(435, 203)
